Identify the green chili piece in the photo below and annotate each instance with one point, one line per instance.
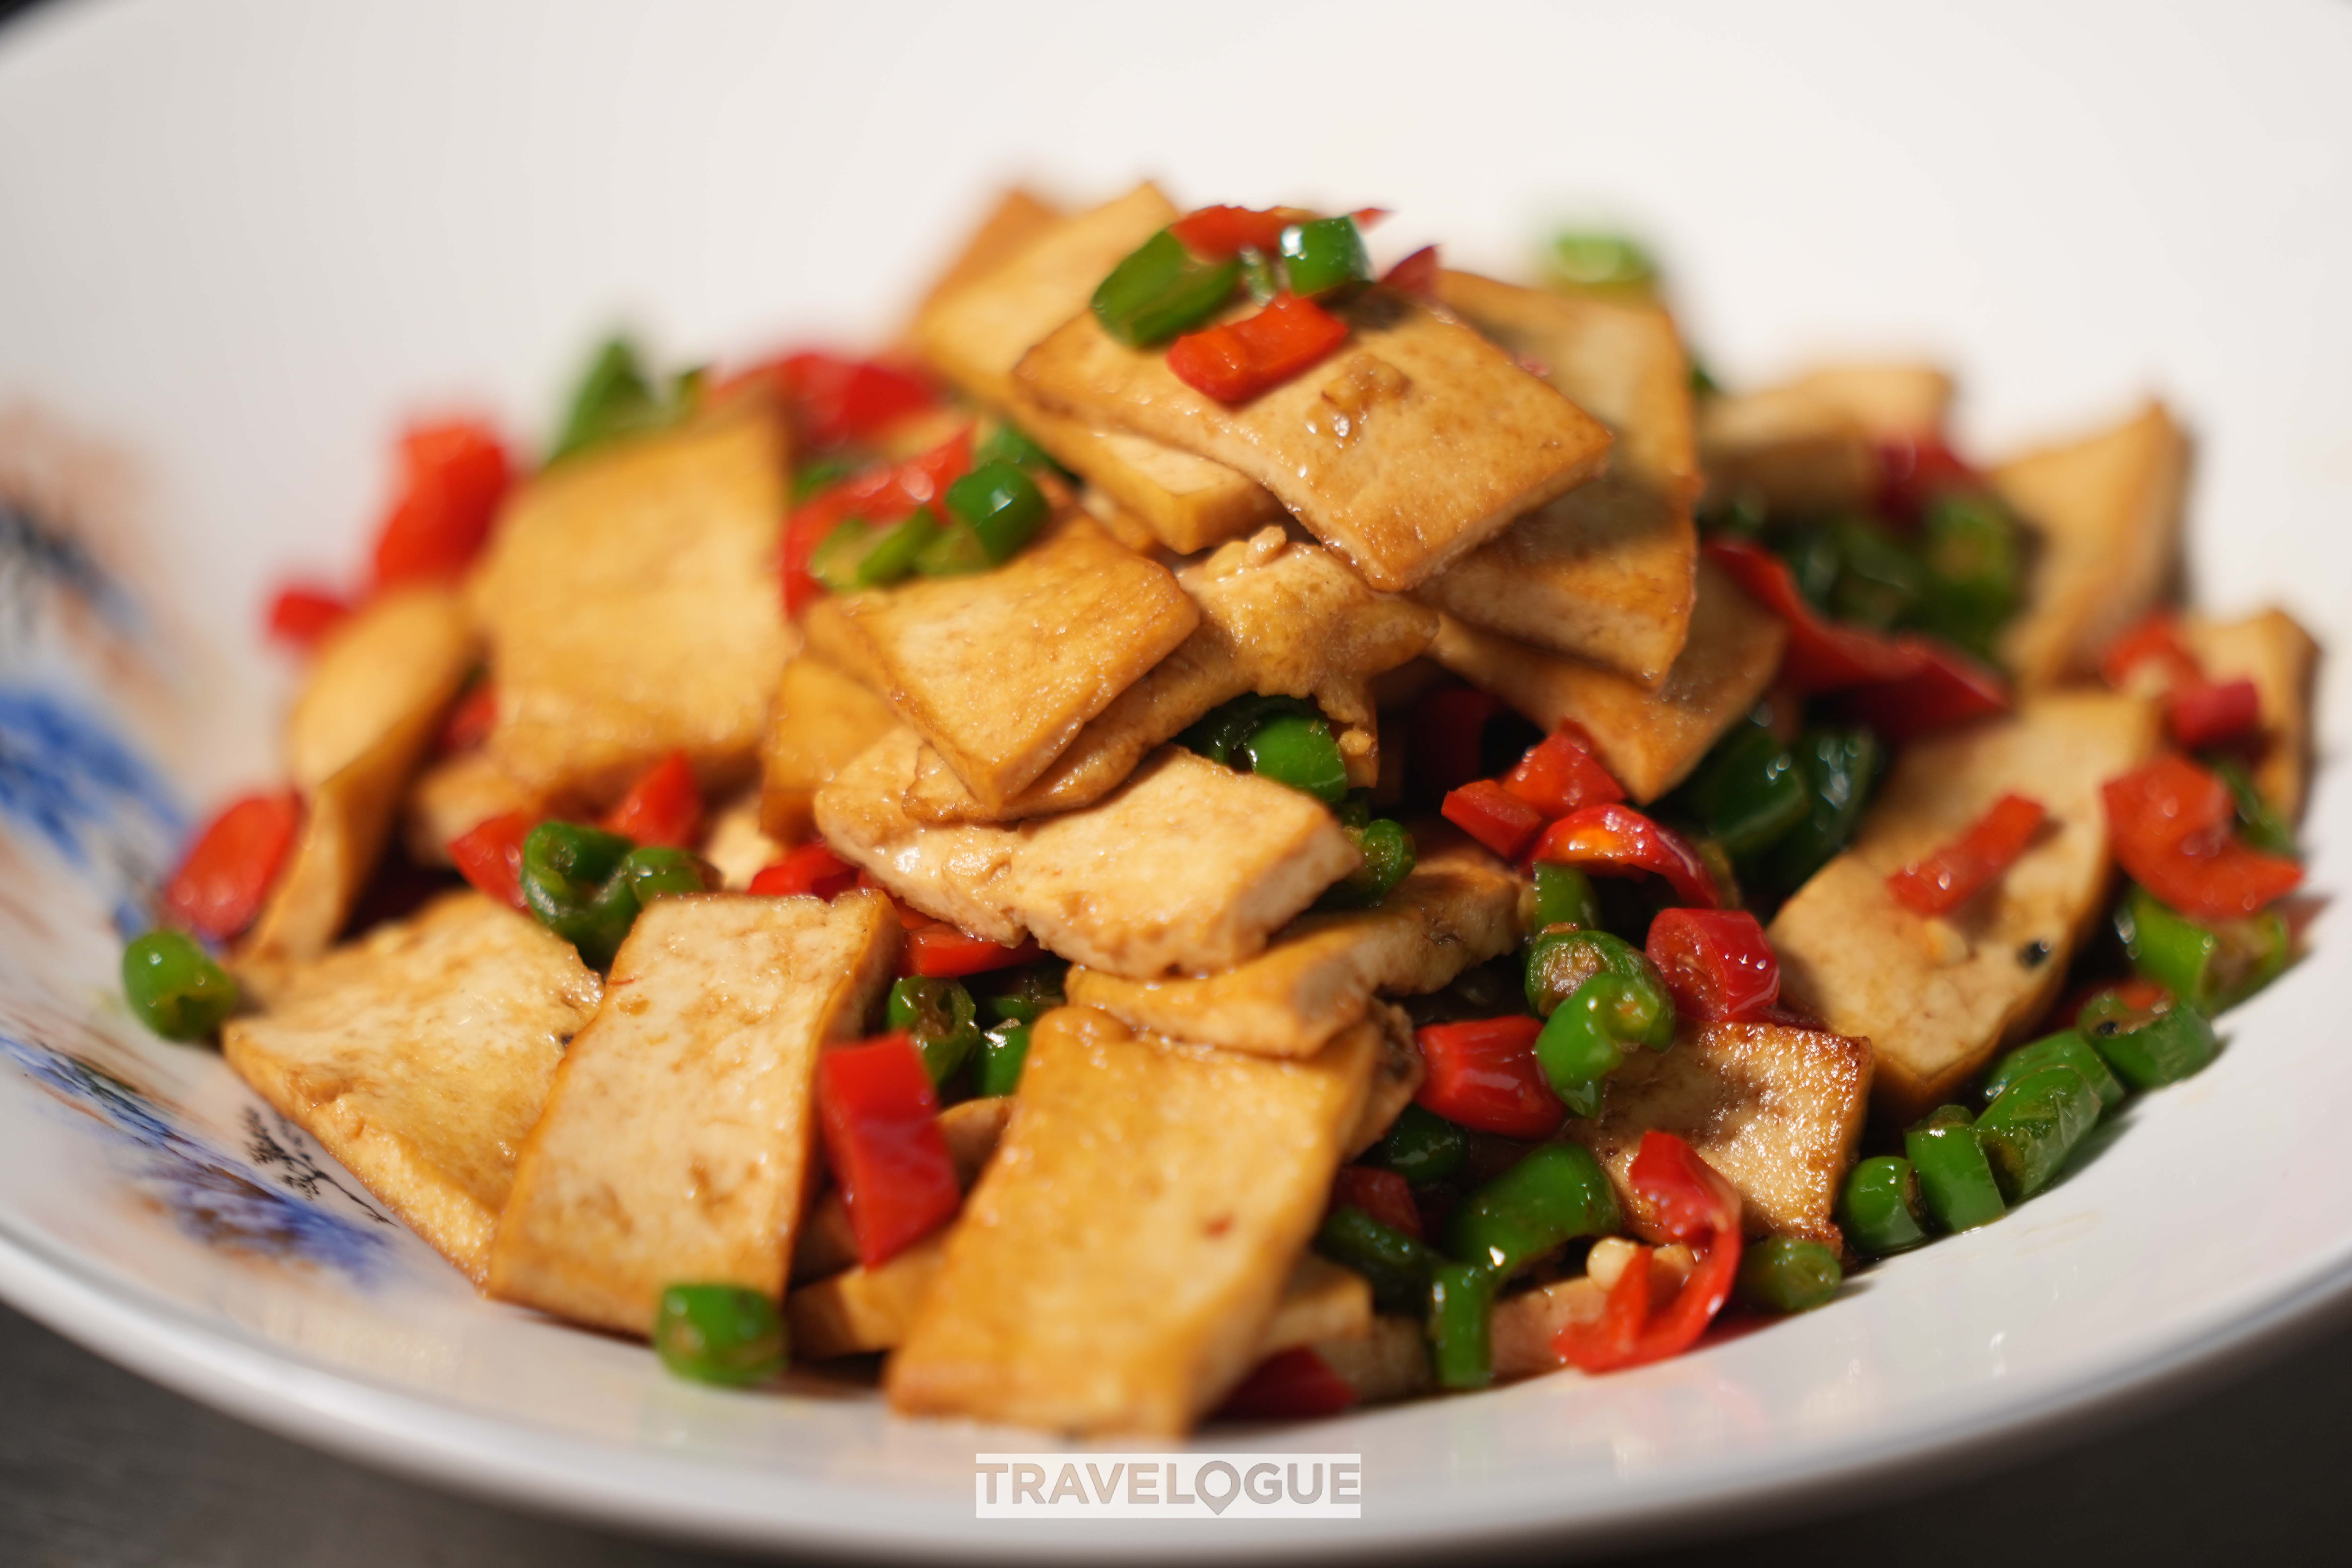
(656, 871)
(1783, 1273)
(1460, 1315)
(175, 987)
(1956, 1180)
(1587, 1037)
(1839, 766)
(1398, 1265)
(939, 1014)
(2212, 968)
(1971, 545)
(954, 550)
(1422, 1146)
(1259, 275)
(822, 475)
(720, 1333)
(1558, 1192)
(1160, 290)
(1388, 859)
(1564, 897)
(1292, 749)
(2027, 1133)
(613, 399)
(1879, 1207)
(1814, 561)
(858, 554)
(1324, 255)
(1002, 505)
(2147, 1048)
(2258, 824)
(1219, 733)
(2066, 1049)
(1880, 582)
(1024, 995)
(1004, 1051)
(1011, 443)
(1590, 259)
(1748, 793)
(569, 881)
(1563, 958)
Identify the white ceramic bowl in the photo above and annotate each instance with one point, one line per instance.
(242, 240)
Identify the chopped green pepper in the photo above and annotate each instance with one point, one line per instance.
(2029, 1131)
(1839, 766)
(570, 880)
(656, 872)
(175, 987)
(940, 1016)
(2066, 1049)
(613, 399)
(1784, 1274)
(1219, 733)
(858, 554)
(1011, 443)
(1398, 1265)
(1459, 1321)
(1599, 995)
(2149, 1047)
(1388, 859)
(1971, 544)
(1324, 255)
(2258, 824)
(1879, 1206)
(1003, 507)
(1879, 583)
(1564, 897)
(1588, 259)
(1004, 1051)
(1161, 290)
(1297, 750)
(1558, 1192)
(1956, 1180)
(1748, 793)
(1027, 993)
(1560, 958)
(720, 1333)
(2212, 968)
(1422, 1146)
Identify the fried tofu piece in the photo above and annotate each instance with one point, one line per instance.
(1321, 1301)
(1458, 906)
(1649, 740)
(1397, 1076)
(2105, 513)
(421, 1056)
(367, 715)
(1000, 670)
(1776, 1109)
(1116, 1269)
(679, 1133)
(2279, 657)
(1277, 615)
(1522, 1334)
(456, 794)
(1810, 445)
(975, 334)
(1415, 444)
(630, 603)
(820, 719)
(1938, 997)
(1388, 1363)
(1187, 866)
(1605, 573)
(735, 845)
(1019, 216)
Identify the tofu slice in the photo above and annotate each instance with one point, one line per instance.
(1397, 1076)
(421, 1056)
(630, 603)
(1188, 866)
(453, 795)
(1277, 615)
(2106, 512)
(367, 715)
(679, 1132)
(1650, 739)
(1413, 445)
(1810, 445)
(1389, 1363)
(1605, 573)
(1018, 217)
(1000, 670)
(1116, 1269)
(1935, 998)
(820, 719)
(735, 843)
(975, 334)
(1458, 906)
(2281, 659)
(1776, 1109)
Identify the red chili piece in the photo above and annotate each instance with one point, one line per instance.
(810, 869)
(1617, 840)
(1913, 472)
(1949, 689)
(1482, 1074)
(1493, 815)
(664, 806)
(452, 477)
(1969, 864)
(941, 952)
(1217, 234)
(301, 618)
(1289, 1385)
(2202, 713)
(2155, 642)
(1685, 1200)
(228, 872)
(1449, 725)
(883, 494)
(2173, 827)
(882, 1139)
(1234, 363)
(489, 854)
(1558, 775)
(470, 721)
(1382, 1195)
(1716, 963)
(1416, 275)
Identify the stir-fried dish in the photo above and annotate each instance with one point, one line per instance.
(1216, 832)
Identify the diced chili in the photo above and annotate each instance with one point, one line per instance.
(812, 869)
(882, 1139)
(300, 618)
(1383, 1194)
(2172, 824)
(2202, 713)
(1482, 1074)
(489, 854)
(941, 951)
(453, 475)
(2155, 644)
(1558, 775)
(1947, 690)
(1416, 275)
(1617, 840)
(1290, 1385)
(471, 718)
(1913, 471)
(1215, 234)
(1237, 361)
(1959, 870)
(1685, 1199)
(881, 494)
(664, 806)
(228, 872)
(836, 401)
(1716, 963)
(1493, 815)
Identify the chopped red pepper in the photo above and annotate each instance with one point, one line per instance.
(1237, 361)
(664, 806)
(489, 854)
(1686, 1200)
(1969, 864)
(1914, 471)
(811, 869)
(301, 618)
(1616, 841)
(1493, 815)
(1382, 1195)
(452, 477)
(881, 494)
(1416, 275)
(1716, 963)
(1558, 776)
(2173, 824)
(1289, 1385)
(228, 872)
(1949, 689)
(2202, 713)
(941, 952)
(835, 400)
(882, 1139)
(2155, 642)
(1218, 234)
(1482, 1074)
(471, 718)
(1449, 727)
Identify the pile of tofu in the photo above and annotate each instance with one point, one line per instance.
(1496, 485)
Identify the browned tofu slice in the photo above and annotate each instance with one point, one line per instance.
(1188, 866)
(1935, 998)
(1649, 740)
(455, 794)
(822, 719)
(1116, 1268)
(1000, 670)
(421, 1056)
(1388, 1363)
(367, 715)
(1018, 217)
(631, 602)
(678, 1134)
(974, 334)
(1398, 1073)
(1277, 615)
(1458, 906)
(735, 845)
(1605, 573)
(1415, 444)
(1777, 1110)
(2279, 657)
(1810, 445)
(2106, 511)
